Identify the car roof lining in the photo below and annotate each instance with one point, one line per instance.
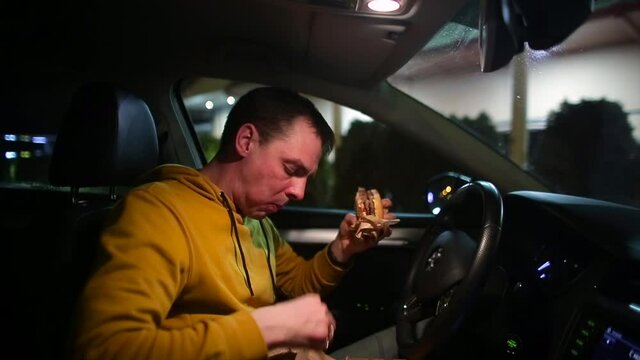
(201, 34)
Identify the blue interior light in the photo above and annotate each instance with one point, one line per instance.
(544, 266)
(430, 197)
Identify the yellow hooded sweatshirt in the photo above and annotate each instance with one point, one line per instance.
(179, 272)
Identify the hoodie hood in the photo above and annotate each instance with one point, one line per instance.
(191, 178)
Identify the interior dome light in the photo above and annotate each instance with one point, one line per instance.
(384, 5)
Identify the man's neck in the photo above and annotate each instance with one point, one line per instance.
(223, 174)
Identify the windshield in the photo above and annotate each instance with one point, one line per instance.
(570, 115)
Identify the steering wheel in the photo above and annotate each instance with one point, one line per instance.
(450, 269)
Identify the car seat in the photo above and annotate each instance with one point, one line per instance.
(108, 139)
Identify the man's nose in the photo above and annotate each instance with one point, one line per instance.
(296, 189)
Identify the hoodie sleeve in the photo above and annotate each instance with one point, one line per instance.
(296, 276)
(124, 307)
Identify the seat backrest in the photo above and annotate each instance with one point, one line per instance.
(107, 139)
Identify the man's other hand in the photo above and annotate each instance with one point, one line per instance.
(302, 322)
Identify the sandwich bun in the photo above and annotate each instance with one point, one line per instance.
(368, 202)
(370, 221)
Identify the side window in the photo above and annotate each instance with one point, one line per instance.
(367, 153)
(25, 159)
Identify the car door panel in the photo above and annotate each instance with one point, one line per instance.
(365, 301)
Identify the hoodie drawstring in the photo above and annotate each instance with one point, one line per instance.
(237, 238)
(273, 278)
(234, 226)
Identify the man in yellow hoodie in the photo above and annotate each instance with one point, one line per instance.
(191, 264)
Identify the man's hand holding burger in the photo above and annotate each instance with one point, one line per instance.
(362, 230)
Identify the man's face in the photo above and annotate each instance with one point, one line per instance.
(277, 172)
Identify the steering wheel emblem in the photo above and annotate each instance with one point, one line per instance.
(433, 258)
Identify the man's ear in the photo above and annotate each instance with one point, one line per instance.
(246, 138)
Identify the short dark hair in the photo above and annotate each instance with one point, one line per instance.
(272, 111)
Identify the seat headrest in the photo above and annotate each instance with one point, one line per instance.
(108, 138)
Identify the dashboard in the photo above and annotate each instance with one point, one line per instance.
(566, 285)
(572, 278)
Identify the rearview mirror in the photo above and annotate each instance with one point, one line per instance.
(506, 25)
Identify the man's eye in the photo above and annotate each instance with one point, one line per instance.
(289, 170)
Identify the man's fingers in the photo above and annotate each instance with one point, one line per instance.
(389, 216)
(350, 219)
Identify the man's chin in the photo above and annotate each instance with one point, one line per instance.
(265, 211)
(272, 209)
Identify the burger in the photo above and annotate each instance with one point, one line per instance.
(370, 221)
(368, 203)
